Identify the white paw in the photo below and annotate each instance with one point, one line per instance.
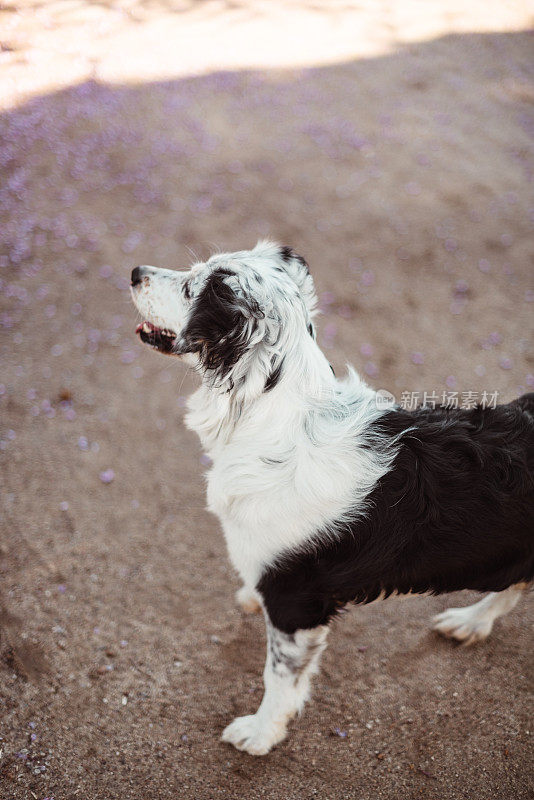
(253, 736)
(463, 624)
(249, 600)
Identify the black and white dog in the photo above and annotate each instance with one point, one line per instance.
(325, 498)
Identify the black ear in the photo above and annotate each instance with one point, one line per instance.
(220, 325)
(298, 269)
(289, 255)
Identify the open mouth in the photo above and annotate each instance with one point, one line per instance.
(161, 339)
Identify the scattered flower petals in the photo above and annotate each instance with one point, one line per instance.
(107, 475)
(461, 287)
(412, 188)
(338, 732)
(327, 298)
(330, 330)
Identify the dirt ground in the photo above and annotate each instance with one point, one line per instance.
(400, 165)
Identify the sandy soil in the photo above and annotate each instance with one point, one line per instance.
(403, 173)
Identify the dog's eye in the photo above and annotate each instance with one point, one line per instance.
(187, 292)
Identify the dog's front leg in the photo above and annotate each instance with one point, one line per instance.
(291, 660)
(249, 600)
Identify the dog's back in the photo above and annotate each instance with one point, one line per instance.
(526, 404)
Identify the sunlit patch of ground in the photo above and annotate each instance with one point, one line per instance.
(48, 45)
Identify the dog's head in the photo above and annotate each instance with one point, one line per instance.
(233, 316)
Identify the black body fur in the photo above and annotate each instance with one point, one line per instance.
(455, 511)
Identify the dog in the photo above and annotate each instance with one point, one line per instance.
(325, 497)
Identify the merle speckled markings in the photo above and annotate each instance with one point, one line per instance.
(324, 497)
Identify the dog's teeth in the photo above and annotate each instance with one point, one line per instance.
(146, 327)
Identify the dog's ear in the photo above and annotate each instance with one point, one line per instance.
(289, 256)
(222, 322)
(297, 267)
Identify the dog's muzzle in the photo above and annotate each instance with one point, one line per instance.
(140, 273)
(162, 339)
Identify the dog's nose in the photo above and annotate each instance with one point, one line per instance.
(138, 273)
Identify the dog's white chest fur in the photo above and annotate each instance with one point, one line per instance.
(282, 472)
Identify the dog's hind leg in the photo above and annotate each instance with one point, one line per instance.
(474, 623)
(292, 658)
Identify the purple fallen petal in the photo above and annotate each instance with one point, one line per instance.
(107, 475)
